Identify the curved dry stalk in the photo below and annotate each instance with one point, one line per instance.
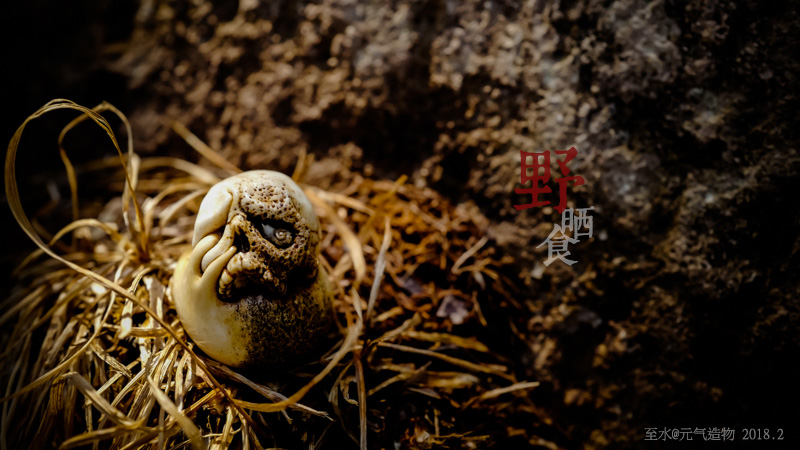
(391, 234)
(202, 148)
(12, 193)
(350, 240)
(347, 345)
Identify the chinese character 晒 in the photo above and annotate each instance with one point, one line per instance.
(536, 189)
(580, 225)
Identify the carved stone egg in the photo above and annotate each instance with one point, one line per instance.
(251, 291)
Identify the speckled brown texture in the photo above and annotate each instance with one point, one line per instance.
(273, 280)
(258, 261)
(285, 328)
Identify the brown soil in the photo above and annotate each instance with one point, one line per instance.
(682, 311)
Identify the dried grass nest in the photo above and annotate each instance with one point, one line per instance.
(97, 357)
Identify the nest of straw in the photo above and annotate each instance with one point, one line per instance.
(97, 356)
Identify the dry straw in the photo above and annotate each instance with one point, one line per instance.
(96, 356)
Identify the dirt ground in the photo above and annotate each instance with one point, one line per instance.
(683, 309)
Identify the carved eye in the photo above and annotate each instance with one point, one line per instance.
(278, 232)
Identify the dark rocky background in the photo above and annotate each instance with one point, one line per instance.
(683, 310)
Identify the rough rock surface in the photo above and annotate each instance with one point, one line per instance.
(683, 309)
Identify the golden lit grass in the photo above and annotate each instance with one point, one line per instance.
(96, 354)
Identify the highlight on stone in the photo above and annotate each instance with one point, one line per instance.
(251, 291)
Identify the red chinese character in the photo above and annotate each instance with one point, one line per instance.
(562, 182)
(535, 190)
(571, 154)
